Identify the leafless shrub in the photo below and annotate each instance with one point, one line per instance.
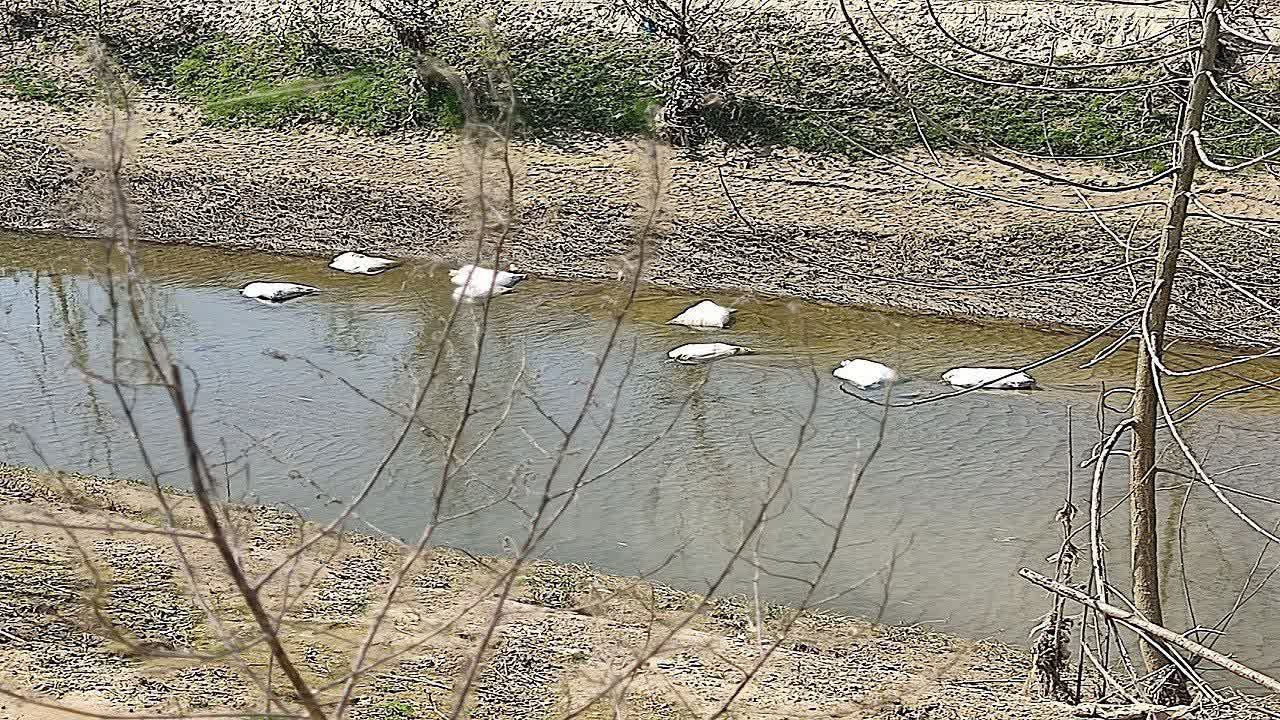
(1199, 64)
(210, 608)
(699, 75)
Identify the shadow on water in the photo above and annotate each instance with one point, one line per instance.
(971, 483)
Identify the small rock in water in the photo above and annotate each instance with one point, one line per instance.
(864, 373)
(705, 314)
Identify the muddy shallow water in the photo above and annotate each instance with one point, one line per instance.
(963, 491)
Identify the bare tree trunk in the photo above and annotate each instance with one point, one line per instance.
(1142, 475)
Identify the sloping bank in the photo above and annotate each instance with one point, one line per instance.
(85, 574)
(781, 223)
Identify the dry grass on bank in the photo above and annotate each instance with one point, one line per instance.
(90, 588)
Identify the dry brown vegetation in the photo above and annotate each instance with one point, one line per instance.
(89, 575)
(189, 605)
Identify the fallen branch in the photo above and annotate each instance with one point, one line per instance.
(1126, 617)
(1135, 711)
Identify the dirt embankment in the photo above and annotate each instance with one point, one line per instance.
(94, 593)
(777, 223)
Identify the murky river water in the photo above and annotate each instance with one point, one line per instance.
(964, 489)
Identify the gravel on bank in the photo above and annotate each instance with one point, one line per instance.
(98, 594)
(770, 222)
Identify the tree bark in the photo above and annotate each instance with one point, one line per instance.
(1142, 474)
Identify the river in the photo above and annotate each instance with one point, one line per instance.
(964, 490)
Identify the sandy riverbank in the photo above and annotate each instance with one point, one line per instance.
(86, 575)
(809, 227)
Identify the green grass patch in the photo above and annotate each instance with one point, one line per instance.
(788, 88)
(28, 82)
(587, 81)
(280, 85)
(840, 116)
(1068, 123)
(1077, 123)
(573, 82)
